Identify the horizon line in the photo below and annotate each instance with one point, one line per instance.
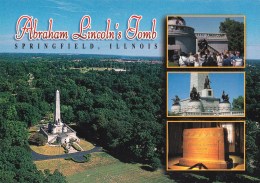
(80, 54)
(97, 54)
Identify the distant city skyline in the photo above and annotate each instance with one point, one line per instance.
(67, 14)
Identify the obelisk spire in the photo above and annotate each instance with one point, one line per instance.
(197, 80)
(57, 109)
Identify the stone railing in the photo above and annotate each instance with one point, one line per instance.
(69, 128)
(43, 131)
(209, 36)
(231, 113)
(53, 139)
(180, 28)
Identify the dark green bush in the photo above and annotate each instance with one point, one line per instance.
(155, 163)
(38, 139)
(86, 156)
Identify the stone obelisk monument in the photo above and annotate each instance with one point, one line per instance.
(197, 81)
(57, 109)
(58, 132)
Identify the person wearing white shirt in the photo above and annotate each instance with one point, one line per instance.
(237, 60)
(191, 60)
(196, 60)
(219, 60)
(183, 60)
(202, 59)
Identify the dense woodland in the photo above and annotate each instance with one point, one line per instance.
(121, 111)
(124, 112)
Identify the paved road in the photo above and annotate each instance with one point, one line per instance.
(77, 155)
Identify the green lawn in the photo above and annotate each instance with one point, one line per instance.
(116, 171)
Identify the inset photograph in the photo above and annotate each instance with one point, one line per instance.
(216, 145)
(206, 41)
(201, 94)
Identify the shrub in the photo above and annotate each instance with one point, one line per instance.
(155, 163)
(75, 146)
(86, 156)
(68, 158)
(38, 139)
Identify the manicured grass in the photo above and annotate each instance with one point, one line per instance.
(50, 150)
(47, 150)
(70, 168)
(117, 171)
(102, 168)
(85, 145)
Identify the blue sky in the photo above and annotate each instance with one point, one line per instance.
(231, 83)
(67, 14)
(208, 24)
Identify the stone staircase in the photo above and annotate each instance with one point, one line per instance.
(211, 49)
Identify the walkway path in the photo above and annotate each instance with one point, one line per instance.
(77, 156)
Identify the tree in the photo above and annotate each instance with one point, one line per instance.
(28, 113)
(56, 177)
(122, 111)
(235, 34)
(38, 139)
(67, 114)
(252, 147)
(238, 103)
(7, 176)
(14, 132)
(82, 117)
(16, 163)
(10, 113)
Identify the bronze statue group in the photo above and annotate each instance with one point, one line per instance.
(195, 96)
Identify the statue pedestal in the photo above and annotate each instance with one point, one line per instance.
(176, 108)
(207, 93)
(224, 107)
(194, 106)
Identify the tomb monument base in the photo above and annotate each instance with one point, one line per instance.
(206, 146)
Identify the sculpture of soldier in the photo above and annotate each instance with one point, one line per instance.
(176, 101)
(194, 95)
(225, 97)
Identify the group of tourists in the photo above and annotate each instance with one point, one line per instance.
(207, 58)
